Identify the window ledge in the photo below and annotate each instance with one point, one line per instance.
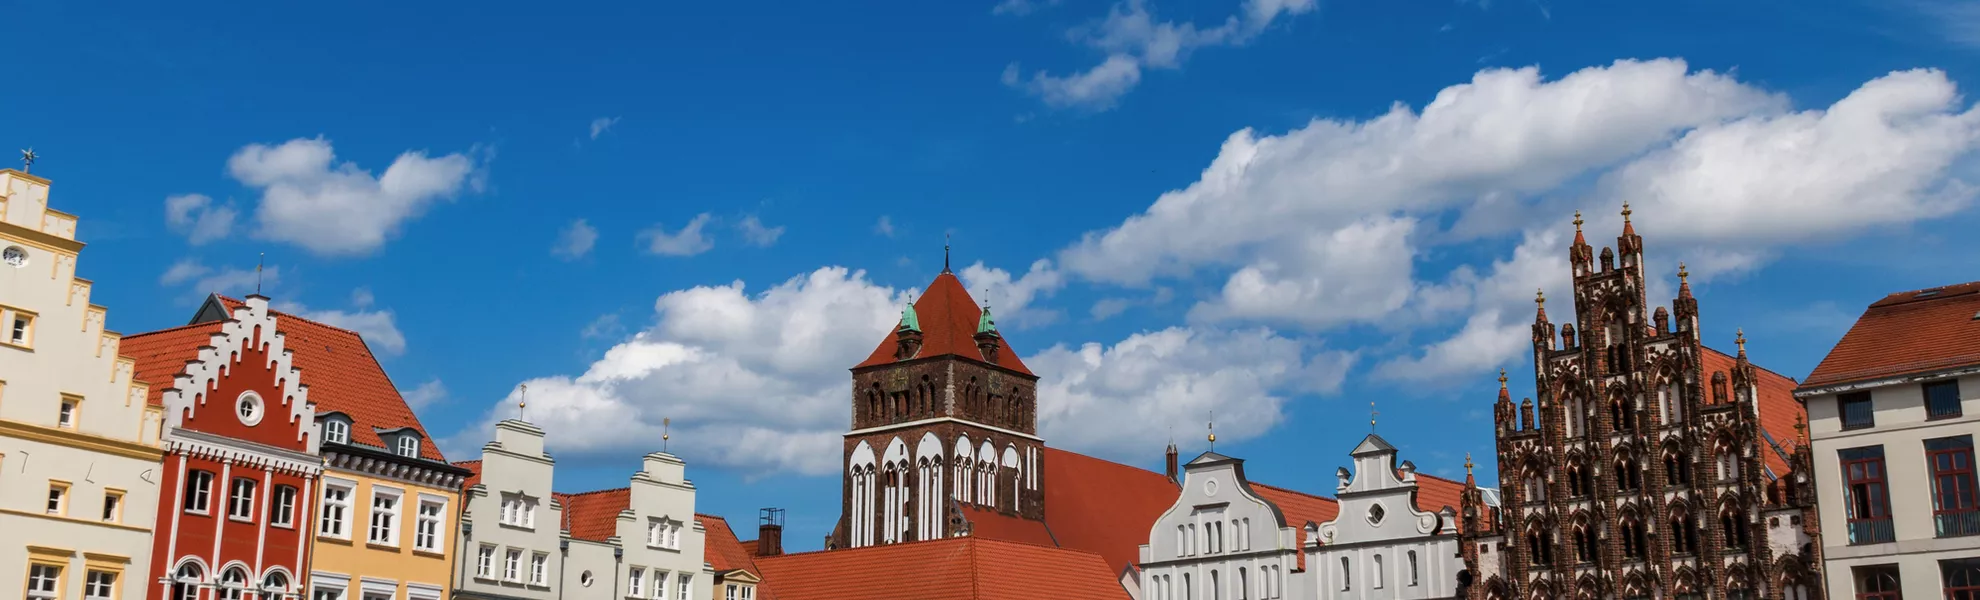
(197, 512)
(16, 346)
(381, 546)
(434, 553)
(517, 527)
(343, 540)
(282, 525)
(248, 520)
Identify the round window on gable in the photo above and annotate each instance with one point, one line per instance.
(15, 256)
(1375, 514)
(248, 408)
(584, 579)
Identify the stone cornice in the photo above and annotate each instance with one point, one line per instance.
(242, 452)
(377, 463)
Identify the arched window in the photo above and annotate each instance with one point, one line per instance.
(1584, 544)
(1347, 579)
(1734, 527)
(1576, 412)
(1188, 592)
(274, 586)
(1536, 488)
(1684, 533)
(1624, 415)
(1632, 537)
(1962, 579)
(1538, 547)
(233, 582)
(1677, 470)
(1216, 591)
(185, 583)
(1728, 463)
(1244, 535)
(1628, 477)
(1878, 583)
(1670, 408)
(1182, 541)
(1243, 585)
(1580, 481)
(1375, 575)
(1413, 579)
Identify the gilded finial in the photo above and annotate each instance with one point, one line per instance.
(1539, 296)
(666, 432)
(1467, 464)
(1577, 221)
(1684, 276)
(1740, 339)
(1502, 379)
(522, 401)
(1212, 425)
(1625, 211)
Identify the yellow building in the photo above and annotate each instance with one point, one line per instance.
(389, 503)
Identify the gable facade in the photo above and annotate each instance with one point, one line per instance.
(1383, 544)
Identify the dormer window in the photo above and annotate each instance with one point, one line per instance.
(336, 431)
(409, 446)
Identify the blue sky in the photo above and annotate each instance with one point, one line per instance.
(1277, 210)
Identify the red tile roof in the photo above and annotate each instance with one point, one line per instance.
(473, 466)
(1779, 410)
(1433, 493)
(953, 568)
(1907, 333)
(1299, 508)
(342, 374)
(948, 327)
(991, 524)
(594, 515)
(1103, 507)
(721, 549)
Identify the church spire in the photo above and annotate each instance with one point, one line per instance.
(1628, 229)
(945, 253)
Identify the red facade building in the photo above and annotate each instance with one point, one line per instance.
(234, 510)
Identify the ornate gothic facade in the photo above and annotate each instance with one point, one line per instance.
(1651, 466)
(944, 422)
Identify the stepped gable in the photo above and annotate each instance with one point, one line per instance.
(946, 569)
(1779, 410)
(1907, 333)
(343, 375)
(948, 327)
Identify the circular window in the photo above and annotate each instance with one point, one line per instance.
(584, 579)
(15, 255)
(248, 408)
(1375, 514)
(1209, 487)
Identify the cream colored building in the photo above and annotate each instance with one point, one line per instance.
(1893, 411)
(79, 454)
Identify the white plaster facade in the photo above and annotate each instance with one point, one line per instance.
(510, 513)
(1381, 546)
(1220, 541)
(1916, 537)
(79, 447)
(658, 539)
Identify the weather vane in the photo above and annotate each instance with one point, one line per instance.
(27, 160)
(1372, 413)
(666, 432)
(522, 402)
(1212, 425)
(257, 272)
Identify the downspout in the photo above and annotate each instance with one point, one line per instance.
(564, 562)
(618, 562)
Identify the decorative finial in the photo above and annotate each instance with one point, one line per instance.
(522, 402)
(1539, 296)
(27, 160)
(1467, 464)
(666, 432)
(1502, 379)
(1740, 339)
(945, 253)
(1577, 221)
(1213, 431)
(1625, 211)
(1684, 276)
(1372, 413)
(257, 272)
(1800, 429)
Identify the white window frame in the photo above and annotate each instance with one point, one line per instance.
(519, 511)
(512, 565)
(484, 562)
(634, 577)
(95, 590)
(44, 581)
(389, 520)
(660, 579)
(539, 569)
(66, 414)
(729, 591)
(337, 511)
(240, 500)
(282, 508)
(408, 446)
(686, 586)
(199, 499)
(429, 529)
(336, 431)
(58, 498)
(231, 590)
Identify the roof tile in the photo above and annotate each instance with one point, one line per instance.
(948, 327)
(1907, 333)
(954, 568)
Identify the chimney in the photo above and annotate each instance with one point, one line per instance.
(1171, 453)
(770, 532)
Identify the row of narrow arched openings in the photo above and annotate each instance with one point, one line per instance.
(918, 401)
(1624, 410)
(900, 499)
(190, 581)
(1632, 527)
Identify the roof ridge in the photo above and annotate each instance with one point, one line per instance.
(273, 311)
(594, 492)
(170, 330)
(1750, 362)
(1293, 491)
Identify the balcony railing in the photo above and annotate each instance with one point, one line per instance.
(1874, 531)
(1958, 523)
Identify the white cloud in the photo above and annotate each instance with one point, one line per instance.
(1010, 299)
(756, 234)
(334, 208)
(1324, 225)
(427, 394)
(182, 271)
(1956, 20)
(378, 327)
(198, 218)
(1123, 399)
(1133, 40)
(884, 227)
(751, 382)
(1107, 308)
(601, 125)
(201, 279)
(606, 326)
(575, 240)
(689, 241)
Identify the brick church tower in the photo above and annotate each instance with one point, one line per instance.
(944, 420)
(1651, 466)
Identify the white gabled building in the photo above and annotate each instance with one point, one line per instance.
(1383, 544)
(1221, 540)
(79, 445)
